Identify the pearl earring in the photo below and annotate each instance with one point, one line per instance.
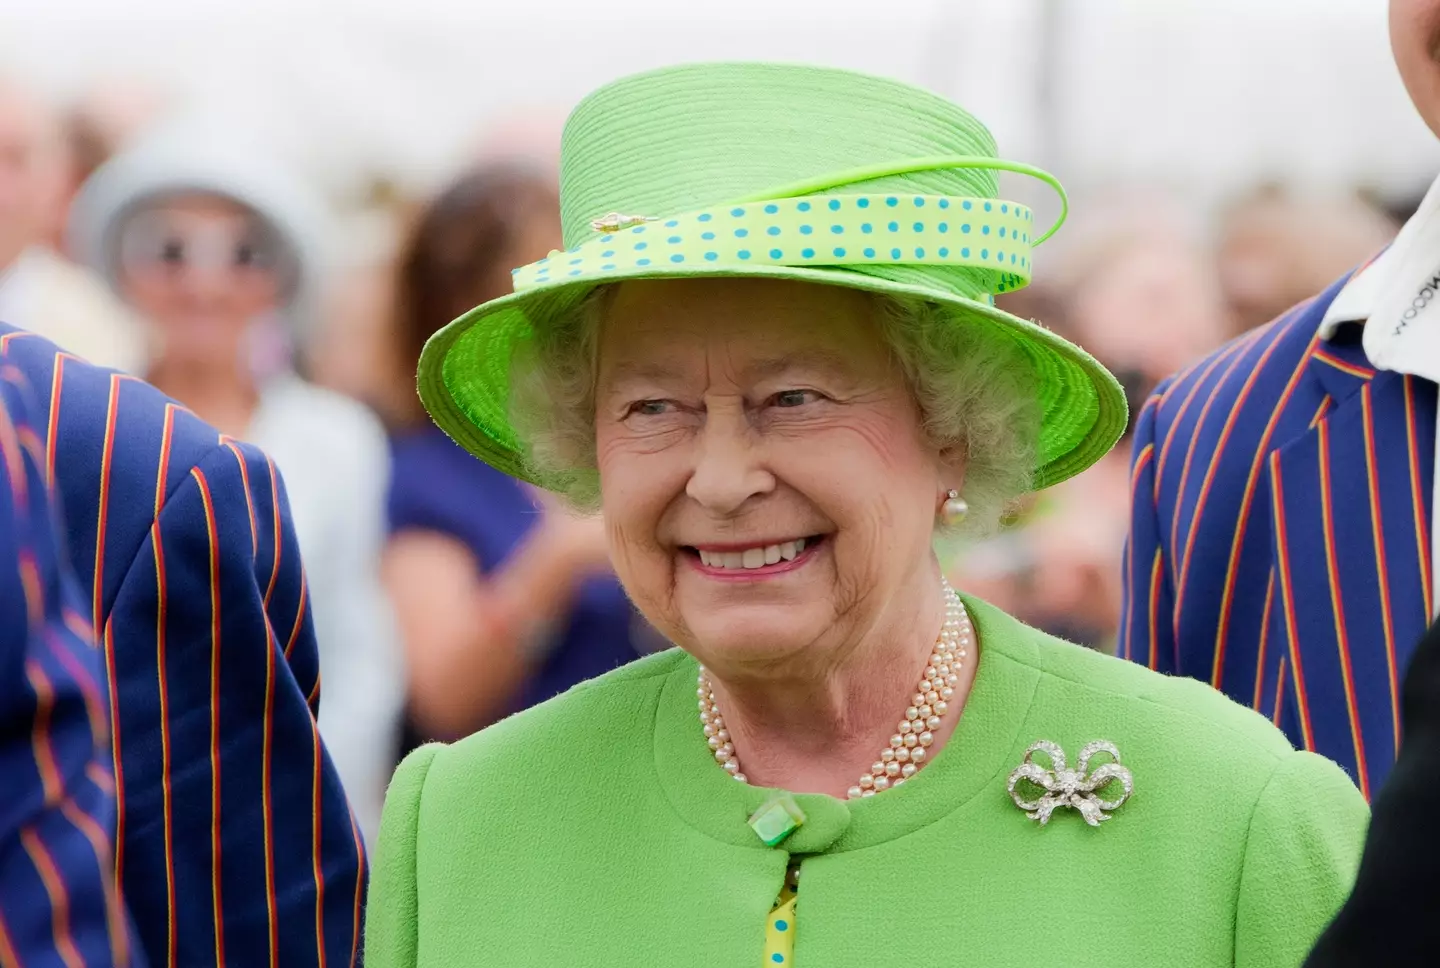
(953, 511)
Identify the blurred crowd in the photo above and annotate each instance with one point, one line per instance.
(182, 251)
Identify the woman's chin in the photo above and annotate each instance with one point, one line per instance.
(742, 635)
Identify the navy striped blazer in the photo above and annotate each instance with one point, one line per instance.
(58, 902)
(234, 843)
(1280, 533)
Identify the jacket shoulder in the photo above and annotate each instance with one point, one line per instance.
(582, 728)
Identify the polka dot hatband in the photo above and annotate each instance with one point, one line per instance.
(775, 171)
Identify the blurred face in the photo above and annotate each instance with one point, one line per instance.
(769, 493)
(1415, 38)
(29, 156)
(200, 269)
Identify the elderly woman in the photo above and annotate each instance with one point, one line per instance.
(218, 250)
(771, 357)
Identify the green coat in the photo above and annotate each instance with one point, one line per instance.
(597, 830)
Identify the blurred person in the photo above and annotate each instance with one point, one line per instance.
(233, 839)
(1277, 248)
(39, 289)
(504, 598)
(1140, 294)
(1283, 540)
(58, 898)
(776, 429)
(218, 249)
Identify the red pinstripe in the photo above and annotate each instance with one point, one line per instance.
(249, 501)
(1337, 610)
(1419, 500)
(315, 844)
(1279, 693)
(1363, 372)
(314, 693)
(114, 910)
(1287, 599)
(1214, 454)
(1141, 460)
(1382, 569)
(157, 542)
(10, 444)
(99, 777)
(1264, 641)
(116, 770)
(359, 892)
(275, 516)
(42, 746)
(299, 615)
(1320, 412)
(52, 428)
(59, 897)
(1199, 510)
(1232, 567)
(213, 531)
(269, 732)
(1185, 406)
(7, 946)
(89, 690)
(106, 457)
(1155, 567)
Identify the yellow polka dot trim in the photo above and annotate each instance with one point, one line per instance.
(780, 931)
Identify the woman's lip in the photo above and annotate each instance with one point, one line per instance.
(764, 571)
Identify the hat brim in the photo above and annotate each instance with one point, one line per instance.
(464, 372)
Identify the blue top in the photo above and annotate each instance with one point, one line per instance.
(437, 486)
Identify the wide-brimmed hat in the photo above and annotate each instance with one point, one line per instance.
(194, 156)
(781, 172)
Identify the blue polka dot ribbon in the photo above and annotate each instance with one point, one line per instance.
(809, 231)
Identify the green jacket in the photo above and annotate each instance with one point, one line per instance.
(597, 830)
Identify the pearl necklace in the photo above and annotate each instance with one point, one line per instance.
(908, 749)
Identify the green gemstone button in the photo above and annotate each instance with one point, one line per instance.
(777, 818)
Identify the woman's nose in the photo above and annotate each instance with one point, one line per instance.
(728, 467)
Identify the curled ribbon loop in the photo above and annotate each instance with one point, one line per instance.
(1080, 789)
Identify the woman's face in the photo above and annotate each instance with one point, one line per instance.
(767, 487)
(200, 269)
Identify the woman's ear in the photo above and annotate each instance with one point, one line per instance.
(952, 465)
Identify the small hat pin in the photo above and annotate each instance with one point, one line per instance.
(614, 222)
(1079, 789)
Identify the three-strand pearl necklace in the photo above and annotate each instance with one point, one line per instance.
(909, 747)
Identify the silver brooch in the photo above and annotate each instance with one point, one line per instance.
(1078, 788)
(614, 222)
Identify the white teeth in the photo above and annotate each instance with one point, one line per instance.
(753, 557)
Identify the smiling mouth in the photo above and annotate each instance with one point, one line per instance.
(756, 557)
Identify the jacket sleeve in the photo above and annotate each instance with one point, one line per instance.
(1301, 852)
(1147, 634)
(240, 846)
(392, 933)
(58, 902)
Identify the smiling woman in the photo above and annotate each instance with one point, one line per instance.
(773, 438)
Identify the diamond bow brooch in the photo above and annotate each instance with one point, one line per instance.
(615, 221)
(1060, 786)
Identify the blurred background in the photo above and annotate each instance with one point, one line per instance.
(1225, 158)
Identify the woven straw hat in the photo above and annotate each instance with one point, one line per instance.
(776, 171)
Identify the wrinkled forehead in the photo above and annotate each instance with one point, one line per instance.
(740, 330)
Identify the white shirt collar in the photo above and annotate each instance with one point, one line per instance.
(1357, 301)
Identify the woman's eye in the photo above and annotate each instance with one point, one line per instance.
(794, 398)
(650, 408)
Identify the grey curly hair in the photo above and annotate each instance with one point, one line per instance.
(975, 395)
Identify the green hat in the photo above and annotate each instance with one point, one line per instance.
(776, 171)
